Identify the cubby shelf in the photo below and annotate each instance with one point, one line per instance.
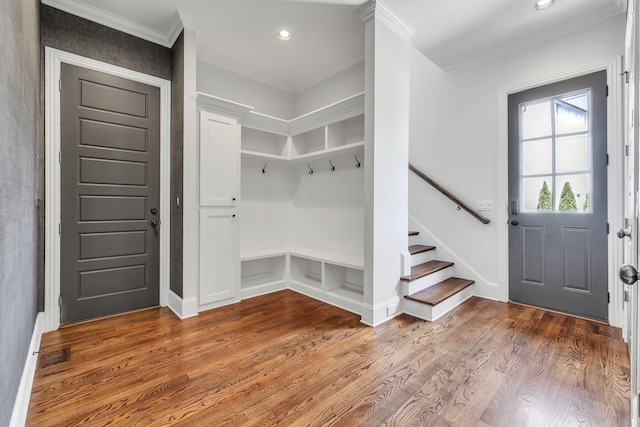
(334, 278)
(262, 275)
(329, 133)
(267, 143)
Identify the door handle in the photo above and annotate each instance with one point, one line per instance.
(514, 222)
(628, 274)
(153, 223)
(624, 232)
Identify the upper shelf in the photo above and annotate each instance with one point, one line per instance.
(335, 129)
(342, 137)
(348, 149)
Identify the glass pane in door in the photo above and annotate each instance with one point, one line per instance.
(536, 120)
(537, 157)
(555, 153)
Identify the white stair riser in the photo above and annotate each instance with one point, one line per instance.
(422, 257)
(431, 313)
(410, 288)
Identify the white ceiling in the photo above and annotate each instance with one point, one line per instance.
(457, 33)
(239, 35)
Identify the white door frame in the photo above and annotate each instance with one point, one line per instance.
(53, 60)
(615, 182)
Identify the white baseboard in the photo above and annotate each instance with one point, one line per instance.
(21, 405)
(183, 308)
(380, 313)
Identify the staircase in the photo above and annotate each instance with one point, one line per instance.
(430, 291)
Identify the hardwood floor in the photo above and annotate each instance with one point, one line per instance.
(286, 359)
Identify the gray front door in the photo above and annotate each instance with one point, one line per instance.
(110, 139)
(558, 196)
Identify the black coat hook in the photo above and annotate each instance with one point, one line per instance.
(332, 167)
(357, 162)
(310, 170)
(264, 169)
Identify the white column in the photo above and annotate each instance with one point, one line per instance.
(387, 72)
(191, 239)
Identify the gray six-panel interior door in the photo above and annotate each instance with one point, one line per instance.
(558, 260)
(110, 140)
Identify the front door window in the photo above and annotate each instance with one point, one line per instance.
(555, 146)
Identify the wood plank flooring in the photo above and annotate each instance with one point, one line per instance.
(286, 359)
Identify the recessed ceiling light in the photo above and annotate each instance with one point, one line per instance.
(284, 35)
(543, 4)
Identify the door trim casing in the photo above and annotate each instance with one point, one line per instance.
(53, 60)
(615, 178)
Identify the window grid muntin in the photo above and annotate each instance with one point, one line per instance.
(553, 136)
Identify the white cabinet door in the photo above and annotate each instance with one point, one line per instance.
(219, 255)
(219, 160)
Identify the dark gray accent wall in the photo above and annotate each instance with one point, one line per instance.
(73, 34)
(177, 140)
(19, 76)
(63, 31)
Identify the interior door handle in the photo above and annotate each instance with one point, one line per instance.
(628, 274)
(514, 222)
(153, 223)
(624, 232)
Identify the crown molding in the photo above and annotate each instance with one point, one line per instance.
(393, 21)
(341, 110)
(332, 113)
(175, 29)
(222, 105)
(116, 22)
(266, 123)
(366, 12)
(380, 11)
(530, 41)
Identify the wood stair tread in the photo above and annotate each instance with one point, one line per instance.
(413, 233)
(418, 249)
(439, 292)
(424, 269)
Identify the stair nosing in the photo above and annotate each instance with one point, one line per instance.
(423, 249)
(438, 301)
(442, 266)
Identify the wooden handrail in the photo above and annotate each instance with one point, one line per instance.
(445, 192)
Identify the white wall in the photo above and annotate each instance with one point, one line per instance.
(339, 86)
(267, 207)
(329, 207)
(454, 136)
(286, 206)
(234, 87)
(276, 102)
